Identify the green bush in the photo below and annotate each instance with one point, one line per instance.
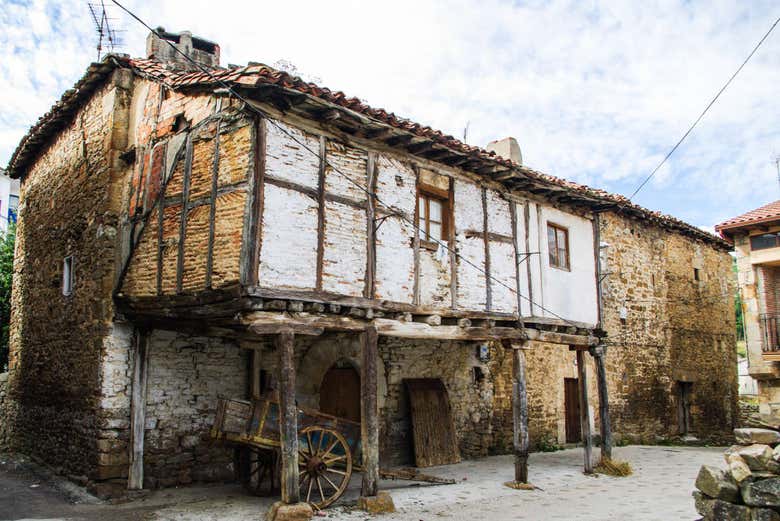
(6, 276)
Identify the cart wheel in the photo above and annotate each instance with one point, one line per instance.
(325, 463)
(264, 472)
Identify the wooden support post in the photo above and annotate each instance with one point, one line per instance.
(587, 439)
(599, 352)
(255, 374)
(520, 415)
(135, 480)
(369, 425)
(288, 413)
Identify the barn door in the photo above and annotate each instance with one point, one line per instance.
(433, 430)
(340, 393)
(571, 400)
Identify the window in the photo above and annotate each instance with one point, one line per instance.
(764, 241)
(433, 208)
(67, 275)
(696, 275)
(558, 246)
(13, 205)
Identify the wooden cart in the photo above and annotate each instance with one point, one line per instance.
(328, 449)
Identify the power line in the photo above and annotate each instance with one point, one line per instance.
(711, 103)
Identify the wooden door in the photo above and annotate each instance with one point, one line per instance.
(684, 392)
(572, 405)
(433, 430)
(340, 393)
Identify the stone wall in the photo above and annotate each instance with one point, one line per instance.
(3, 425)
(675, 328)
(56, 340)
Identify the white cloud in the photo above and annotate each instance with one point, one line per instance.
(594, 93)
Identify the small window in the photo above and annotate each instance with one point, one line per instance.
(13, 205)
(67, 275)
(764, 241)
(432, 207)
(558, 246)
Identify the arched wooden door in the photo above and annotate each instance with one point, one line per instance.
(340, 393)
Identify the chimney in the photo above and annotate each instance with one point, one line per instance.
(506, 148)
(202, 52)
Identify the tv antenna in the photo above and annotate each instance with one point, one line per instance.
(107, 35)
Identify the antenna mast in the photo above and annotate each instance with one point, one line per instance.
(105, 32)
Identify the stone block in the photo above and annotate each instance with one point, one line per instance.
(756, 456)
(717, 484)
(763, 514)
(761, 493)
(738, 468)
(382, 503)
(751, 436)
(295, 512)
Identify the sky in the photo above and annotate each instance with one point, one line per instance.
(595, 92)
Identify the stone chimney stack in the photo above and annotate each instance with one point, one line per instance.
(507, 148)
(202, 52)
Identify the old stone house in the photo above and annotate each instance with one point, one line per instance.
(757, 252)
(176, 241)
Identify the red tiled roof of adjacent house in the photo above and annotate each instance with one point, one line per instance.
(258, 75)
(767, 213)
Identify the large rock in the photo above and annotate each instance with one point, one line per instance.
(756, 456)
(763, 514)
(718, 510)
(717, 484)
(750, 436)
(776, 453)
(738, 468)
(761, 493)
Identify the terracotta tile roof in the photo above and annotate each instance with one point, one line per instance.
(767, 213)
(259, 75)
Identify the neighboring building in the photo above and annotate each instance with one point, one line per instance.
(756, 239)
(169, 234)
(9, 200)
(747, 384)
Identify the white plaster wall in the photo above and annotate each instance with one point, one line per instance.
(468, 216)
(502, 269)
(286, 159)
(8, 187)
(344, 260)
(570, 293)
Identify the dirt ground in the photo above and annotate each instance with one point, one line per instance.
(659, 490)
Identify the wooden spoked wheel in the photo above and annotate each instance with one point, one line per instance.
(325, 464)
(264, 477)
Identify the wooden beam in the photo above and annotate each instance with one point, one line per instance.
(135, 479)
(580, 342)
(288, 417)
(599, 353)
(183, 223)
(416, 240)
(268, 322)
(213, 202)
(369, 425)
(451, 243)
(485, 231)
(256, 362)
(520, 415)
(587, 438)
(529, 272)
(252, 238)
(516, 251)
(369, 287)
(321, 212)
(421, 330)
(416, 148)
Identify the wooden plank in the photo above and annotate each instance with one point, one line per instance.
(492, 237)
(488, 281)
(135, 479)
(416, 242)
(321, 212)
(420, 330)
(257, 363)
(183, 225)
(520, 416)
(369, 427)
(213, 201)
(288, 414)
(599, 354)
(369, 289)
(433, 429)
(597, 260)
(252, 236)
(527, 223)
(452, 245)
(587, 438)
(516, 250)
(576, 341)
(313, 193)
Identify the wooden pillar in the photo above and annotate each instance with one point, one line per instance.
(587, 438)
(599, 352)
(135, 480)
(369, 424)
(520, 415)
(288, 416)
(254, 385)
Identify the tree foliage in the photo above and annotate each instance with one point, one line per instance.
(6, 277)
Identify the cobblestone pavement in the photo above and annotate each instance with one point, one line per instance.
(659, 490)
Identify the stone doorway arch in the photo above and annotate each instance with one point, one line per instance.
(340, 391)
